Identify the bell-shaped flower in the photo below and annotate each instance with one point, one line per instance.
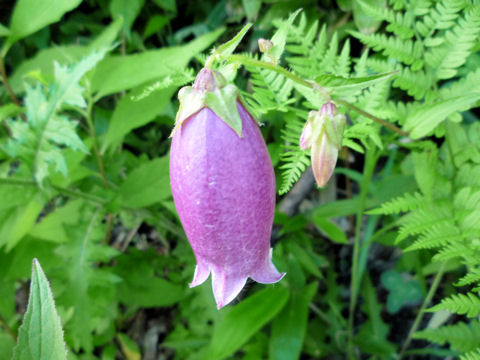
(323, 133)
(223, 186)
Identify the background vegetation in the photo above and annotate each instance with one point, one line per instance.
(382, 263)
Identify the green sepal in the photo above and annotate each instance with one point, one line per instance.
(223, 102)
(191, 102)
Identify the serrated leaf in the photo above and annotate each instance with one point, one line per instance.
(39, 140)
(40, 336)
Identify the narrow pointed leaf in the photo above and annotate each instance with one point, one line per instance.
(40, 336)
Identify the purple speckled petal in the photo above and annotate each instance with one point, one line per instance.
(224, 191)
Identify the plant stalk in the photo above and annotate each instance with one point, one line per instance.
(245, 60)
(369, 167)
(421, 312)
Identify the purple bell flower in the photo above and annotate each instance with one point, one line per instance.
(223, 186)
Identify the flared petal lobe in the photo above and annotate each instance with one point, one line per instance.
(223, 186)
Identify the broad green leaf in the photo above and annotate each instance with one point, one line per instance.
(332, 230)
(9, 110)
(169, 5)
(129, 347)
(245, 319)
(290, 325)
(40, 336)
(147, 184)
(126, 9)
(107, 37)
(17, 221)
(141, 285)
(6, 344)
(118, 73)
(427, 117)
(52, 227)
(29, 16)
(251, 8)
(4, 31)
(139, 108)
(154, 25)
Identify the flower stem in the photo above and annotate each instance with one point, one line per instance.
(369, 167)
(421, 312)
(245, 60)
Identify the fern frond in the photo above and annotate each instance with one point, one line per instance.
(461, 337)
(407, 202)
(294, 159)
(442, 16)
(407, 51)
(461, 304)
(447, 58)
(472, 277)
(399, 23)
(472, 355)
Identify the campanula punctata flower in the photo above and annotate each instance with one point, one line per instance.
(323, 133)
(223, 186)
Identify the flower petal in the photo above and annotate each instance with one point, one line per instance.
(267, 273)
(226, 286)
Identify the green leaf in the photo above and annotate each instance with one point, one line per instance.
(39, 141)
(118, 73)
(9, 110)
(245, 319)
(126, 9)
(290, 326)
(18, 220)
(29, 16)
(4, 31)
(427, 117)
(229, 47)
(147, 184)
(332, 230)
(223, 103)
(251, 8)
(169, 5)
(343, 86)
(279, 39)
(130, 114)
(40, 336)
(52, 227)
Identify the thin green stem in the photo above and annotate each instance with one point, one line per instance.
(372, 117)
(3, 77)
(245, 60)
(369, 167)
(8, 329)
(421, 312)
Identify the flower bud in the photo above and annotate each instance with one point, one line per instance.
(223, 186)
(323, 132)
(264, 45)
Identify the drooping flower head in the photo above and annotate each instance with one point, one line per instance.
(323, 133)
(223, 185)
